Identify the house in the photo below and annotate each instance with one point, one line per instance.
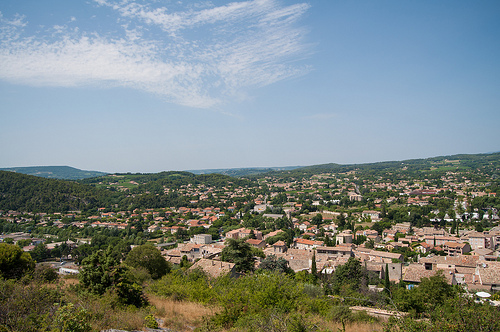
(440, 240)
(489, 275)
(214, 268)
(304, 226)
(153, 228)
(414, 273)
(259, 208)
(202, 239)
(378, 256)
(338, 251)
(478, 240)
(260, 244)
(279, 247)
(191, 251)
(394, 269)
(423, 247)
(331, 227)
(373, 215)
(448, 262)
(306, 244)
(355, 197)
(241, 233)
(311, 236)
(374, 237)
(272, 215)
(344, 237)
(272, 234)
(454, 248)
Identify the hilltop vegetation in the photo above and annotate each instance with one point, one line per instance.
(55, 172)
(34, 194)
(125, 191)
(419, 168)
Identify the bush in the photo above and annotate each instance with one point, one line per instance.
(14, 262)
(70, 318)
(44, 274)
(26, 307)
(150, 322)
(190, 285)
(148, 257)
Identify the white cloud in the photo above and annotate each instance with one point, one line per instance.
(196, 57)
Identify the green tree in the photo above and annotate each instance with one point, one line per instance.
(422, 300)
(387, 283)
(343, 315)
(239, 253)
(70, 318)
(314, 269)
(14, 262)
(317, 219)
(40, 252)
(349, 275)
(148, 257)
(273, 263)
(23, 243)
(101, 272)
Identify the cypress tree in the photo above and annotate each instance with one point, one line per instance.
(314, 269)
(387, 283)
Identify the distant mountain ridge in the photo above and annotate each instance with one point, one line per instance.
(71, 173)
(55, 172)
(240, 172)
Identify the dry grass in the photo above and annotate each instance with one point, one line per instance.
(180, 315)
(66, 282)
(106, 313)
(355, 327)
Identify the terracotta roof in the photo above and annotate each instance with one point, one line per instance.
(254, 242)
(415, 273)
(454, 244)
(213, 268)
(489, 273)
(308, 242)
(462, 260)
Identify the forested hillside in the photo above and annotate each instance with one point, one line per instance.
(35, 194)
(416, 168)
(127, 191)
(55, 172)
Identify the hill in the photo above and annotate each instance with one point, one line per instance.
(36, 194)
(489, 163)
(123, 191)
(242, 172)
(167, 189)
(55, 172)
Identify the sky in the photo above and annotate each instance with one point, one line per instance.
(159, 85)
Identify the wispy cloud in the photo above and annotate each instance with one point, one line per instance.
(198, 57)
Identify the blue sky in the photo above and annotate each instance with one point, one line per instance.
(149, 86)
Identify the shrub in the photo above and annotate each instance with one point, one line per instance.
(26, 307)
(45, 273)
(71, 318)
(150, 322)
(14, 262)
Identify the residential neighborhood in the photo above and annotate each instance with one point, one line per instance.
(393, 241)
(403, 222)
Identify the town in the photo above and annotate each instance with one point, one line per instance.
(416, 226)
(405, 224)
